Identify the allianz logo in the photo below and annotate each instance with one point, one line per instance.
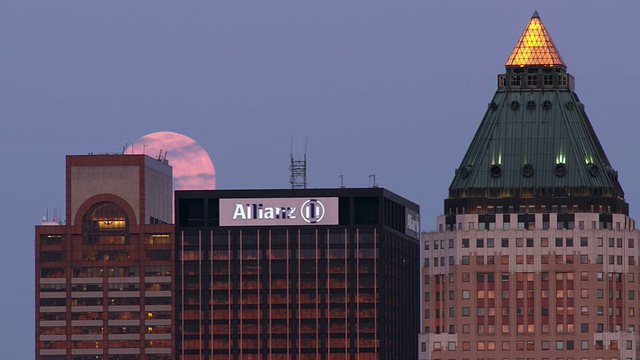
(311, 211)
(413, 224)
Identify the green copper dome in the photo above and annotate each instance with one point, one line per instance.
(535, 145)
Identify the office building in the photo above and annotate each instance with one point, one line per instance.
(104, 277)
(535, 256)
(297, 274)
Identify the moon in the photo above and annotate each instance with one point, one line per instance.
(192, 166)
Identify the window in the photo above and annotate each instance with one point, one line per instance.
(584, 345)
(479, 243)
(584, 241)
(465, 243)
(584, 310)
(584, 276)
(465, 260)
(504, 242)
(465, 294)
(105, 224)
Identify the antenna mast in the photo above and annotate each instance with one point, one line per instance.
(298, 169)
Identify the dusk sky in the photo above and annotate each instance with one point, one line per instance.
(395, 89)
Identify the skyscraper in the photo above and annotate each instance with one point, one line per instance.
(296, 274)
(536, 256)
(104, 279)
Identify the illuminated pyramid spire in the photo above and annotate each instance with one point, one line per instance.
(535, 144)
(535, 47)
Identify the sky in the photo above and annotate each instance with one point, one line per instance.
(395, 89)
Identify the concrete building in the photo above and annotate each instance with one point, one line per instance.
(104, 278)
(536, 256)
(297, 274)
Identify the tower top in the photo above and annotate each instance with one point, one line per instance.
(535, 47)
(535, 145)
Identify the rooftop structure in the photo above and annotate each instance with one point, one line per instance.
(535, 257)
(535, 145)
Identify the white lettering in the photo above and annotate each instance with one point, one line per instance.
(239, 211)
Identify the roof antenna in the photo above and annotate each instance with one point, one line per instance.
(298, 169)
(341, 181)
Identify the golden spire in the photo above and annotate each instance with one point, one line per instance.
(535, 47)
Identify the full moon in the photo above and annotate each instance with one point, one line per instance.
(192, 166)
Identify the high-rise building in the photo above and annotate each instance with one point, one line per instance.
(104, 278)
(296, 274)
(535, 256)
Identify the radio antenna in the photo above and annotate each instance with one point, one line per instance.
(298, 169)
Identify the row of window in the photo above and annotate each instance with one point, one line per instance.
(98, 271)
(530, 311)
(530, 260)
(531, 242)
(568, 328)
(529, 276)
(530, 225)
(531, 345)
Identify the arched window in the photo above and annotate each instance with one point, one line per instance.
(105, 224)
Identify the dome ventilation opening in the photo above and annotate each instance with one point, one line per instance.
(496, 171)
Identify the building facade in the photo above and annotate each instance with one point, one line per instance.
(536, 256)
(104, 278)
(296, 274)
